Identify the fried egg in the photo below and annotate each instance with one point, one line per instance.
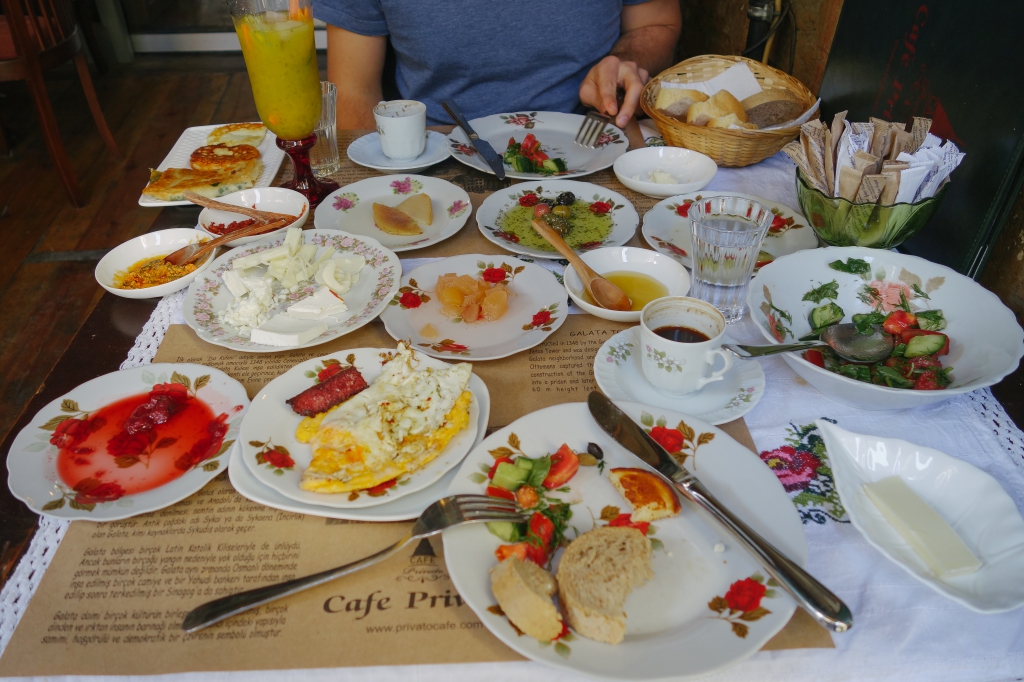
(398, 424)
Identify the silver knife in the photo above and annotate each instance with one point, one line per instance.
(482, 146)
(814, 597)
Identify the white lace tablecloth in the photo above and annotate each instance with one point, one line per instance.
(903, 630)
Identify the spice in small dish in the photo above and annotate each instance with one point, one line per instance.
(151, 272)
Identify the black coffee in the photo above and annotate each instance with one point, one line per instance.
(681, 334)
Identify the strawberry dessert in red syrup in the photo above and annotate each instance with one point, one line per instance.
(137, 443)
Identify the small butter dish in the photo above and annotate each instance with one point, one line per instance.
(662, 172)
(971, 501)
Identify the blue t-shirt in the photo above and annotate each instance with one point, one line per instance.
(490, 56)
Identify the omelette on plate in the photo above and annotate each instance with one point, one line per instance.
(398, 424)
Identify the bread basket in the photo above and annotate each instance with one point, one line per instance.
(726, 146)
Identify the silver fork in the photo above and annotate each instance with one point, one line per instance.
(591, 128)
(445, 513)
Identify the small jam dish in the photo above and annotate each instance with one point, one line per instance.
(273, 199)
(622, 259)
(639, 169)
(145, 247)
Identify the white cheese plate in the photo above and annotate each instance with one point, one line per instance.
(195, 137)
(377, 284)
(277, 459)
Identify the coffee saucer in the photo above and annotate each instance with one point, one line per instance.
(619, 375)
(366, 152)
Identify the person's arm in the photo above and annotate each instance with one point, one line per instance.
(645, 45)
(354, 64)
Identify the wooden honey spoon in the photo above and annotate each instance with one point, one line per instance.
(603, 292)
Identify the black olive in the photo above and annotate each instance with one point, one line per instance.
(566, 199)
(595, 450)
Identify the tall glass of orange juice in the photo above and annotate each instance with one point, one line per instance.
(280, 56)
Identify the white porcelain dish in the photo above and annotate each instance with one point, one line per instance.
(407, 507)
(986, 343)
(556, 133)
(272, 423)
(536, 309)
(350, 209)
(274, 199)
(619, 375)
(489, 216)
(193, 138)
(35, 478)
(378, 282)
(671, 629)
(970, 500)
(626, 259)
(145, 247)
(693, 170)
(667, 229)
(366, 151)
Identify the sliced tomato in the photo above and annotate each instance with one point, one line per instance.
(901, 365)
(815, 357)
(494, 467)
(511, 141)
(529, 144)
(495, 491)
(379, 489)
(625, 520)
(541, 528)
(899, 321)
(925, 362)
(929, 381)
(911, 333)
(517, 550)
(536, 553)
(527, 496)
(778, 222)
(564, 465)
(538, 157)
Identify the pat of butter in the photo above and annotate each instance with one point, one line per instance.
(283, 330)
(927, 533)
(323, 303)
(662, 177)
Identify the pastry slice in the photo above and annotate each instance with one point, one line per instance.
(393, 221)
(651, 497)
(419, 208)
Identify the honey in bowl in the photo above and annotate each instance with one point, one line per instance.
(639, 288)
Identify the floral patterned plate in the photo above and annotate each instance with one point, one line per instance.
(407, 507)
(351, 209)
(667, 229)
(77, 460)
(619, 375)
(491, 215)
(709, 604)
(377, 283)
(277, 459)
(536, 308)
(556, 133)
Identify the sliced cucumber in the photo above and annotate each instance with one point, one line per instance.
(826, 315)
(506, 530)
(509, 476)
(554, 165)
(932, 320)
(521, 164)
(524, 463)
(928, 344)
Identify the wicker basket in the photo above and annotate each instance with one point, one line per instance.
(726, 146)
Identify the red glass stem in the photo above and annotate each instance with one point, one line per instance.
(305, 182)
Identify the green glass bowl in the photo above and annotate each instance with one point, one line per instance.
(839, 222)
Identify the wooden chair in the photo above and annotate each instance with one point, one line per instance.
(35, 36)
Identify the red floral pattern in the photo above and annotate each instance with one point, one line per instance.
(542, 318)
(409, 300)
(90, 491)
(494, 275)
(745, 595)
(279, 459)
(127, 444)
(670, 439)
(71, 432)
(795, 468)
(600, 207)
(741, 604)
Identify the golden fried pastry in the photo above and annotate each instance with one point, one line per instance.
(223, 157)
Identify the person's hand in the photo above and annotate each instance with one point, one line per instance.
(599, 89)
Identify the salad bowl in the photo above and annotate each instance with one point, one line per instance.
(985, 341)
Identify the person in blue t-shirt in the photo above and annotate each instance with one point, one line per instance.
(495, 56)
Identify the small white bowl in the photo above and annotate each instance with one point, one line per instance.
(663, 268)
(695, 170)
(276, 199)
(144, 247)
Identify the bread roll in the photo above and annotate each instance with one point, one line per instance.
(730, 120)
(727, 104)
(524, 591)
(677, 101)
(772, 107)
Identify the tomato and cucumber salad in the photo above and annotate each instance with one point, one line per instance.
(528, 157)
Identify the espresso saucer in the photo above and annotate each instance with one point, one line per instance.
(366, 152)
(619, 375)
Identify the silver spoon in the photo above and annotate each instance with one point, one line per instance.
(842, 338)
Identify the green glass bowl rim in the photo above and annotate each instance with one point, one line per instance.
(801, 180)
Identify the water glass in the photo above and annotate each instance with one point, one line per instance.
(324, 156)
(726, 236)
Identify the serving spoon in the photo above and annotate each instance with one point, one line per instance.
(844, 339)
(603, 292)
(193, 252)
(263, 216)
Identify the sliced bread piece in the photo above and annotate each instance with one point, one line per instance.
(677, 101)
(728, 121)
(524, 592)
(700, 113)
(651, 497)
(727, 104)
(393, 221)
(597, 572)
(772, 107)
(418, 207)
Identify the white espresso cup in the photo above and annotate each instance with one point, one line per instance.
(677, 367)
(402, 127)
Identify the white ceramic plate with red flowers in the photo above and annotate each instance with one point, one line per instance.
(536, 308)
(667, 228)
(556, 134)
(704, 609)
(598, 217)
(350, 209)
(128, 442)
(276, 458)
